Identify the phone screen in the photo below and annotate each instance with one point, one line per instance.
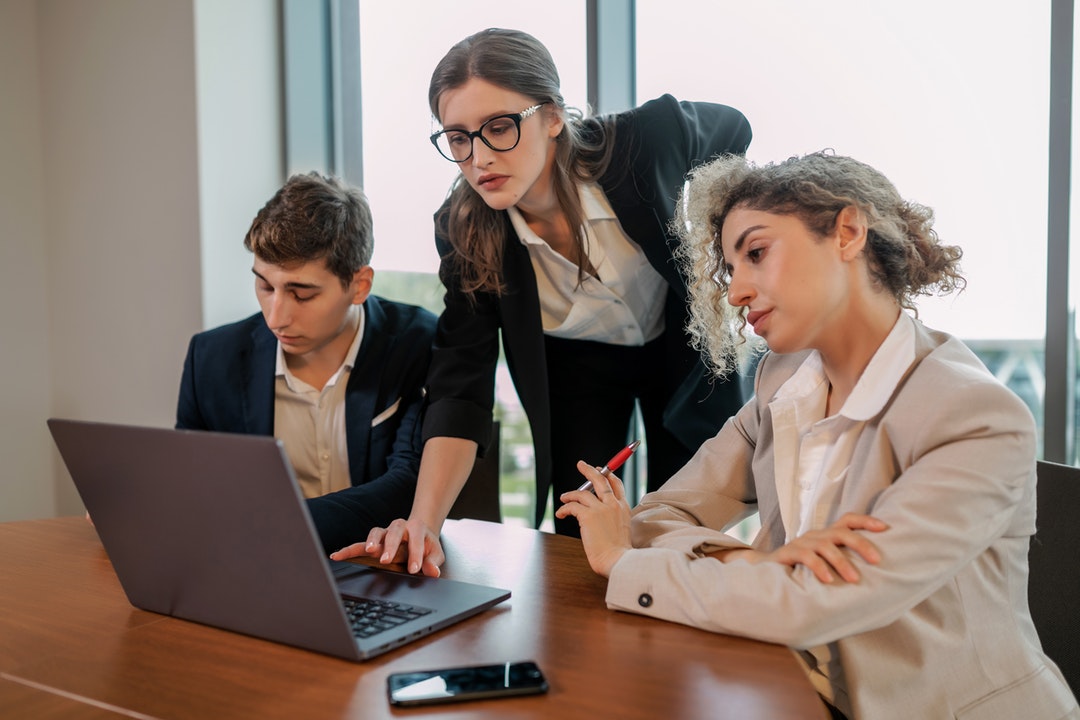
(465, 683)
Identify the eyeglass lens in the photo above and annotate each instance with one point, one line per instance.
(500, 133)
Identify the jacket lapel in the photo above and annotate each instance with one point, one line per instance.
(875, 448)
(258, 385)
(643, 226)
(362, 392)
(523, 341)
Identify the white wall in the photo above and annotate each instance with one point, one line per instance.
(26, 488)
(99, 176)
(240, 136)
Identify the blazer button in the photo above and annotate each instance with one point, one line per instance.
(644, 600)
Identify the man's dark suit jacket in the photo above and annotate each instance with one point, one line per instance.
(228, 386)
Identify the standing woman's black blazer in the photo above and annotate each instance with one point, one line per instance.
(656, 145)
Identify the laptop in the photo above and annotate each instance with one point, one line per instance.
(212, 528)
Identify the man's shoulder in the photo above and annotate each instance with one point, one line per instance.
(402, 336)
(400, 317)
(241, 331)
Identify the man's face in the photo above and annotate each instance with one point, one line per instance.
(306, 307)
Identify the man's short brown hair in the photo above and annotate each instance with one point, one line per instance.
(314, 217)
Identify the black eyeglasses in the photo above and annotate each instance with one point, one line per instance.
(501, 133)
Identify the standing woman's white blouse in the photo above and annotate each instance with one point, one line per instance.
(622, 305)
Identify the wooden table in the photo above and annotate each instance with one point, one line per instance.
(71, 646)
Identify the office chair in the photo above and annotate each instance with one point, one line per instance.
(479, 499)
(1054, 581)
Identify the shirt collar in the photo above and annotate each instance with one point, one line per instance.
(594, 206)
(876, 384)
(884, 371)
(594, 203)
(282, 370)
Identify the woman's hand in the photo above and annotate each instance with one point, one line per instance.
(604, 518)
(820, 550)
(421, 547)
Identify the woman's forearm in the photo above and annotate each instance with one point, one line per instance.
(444, 468)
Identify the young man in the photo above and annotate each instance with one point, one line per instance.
(333, 371)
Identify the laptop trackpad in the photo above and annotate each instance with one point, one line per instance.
(375, 584)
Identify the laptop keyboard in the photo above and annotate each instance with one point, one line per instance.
(371, 617)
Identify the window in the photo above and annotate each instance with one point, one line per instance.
(925, 92)
(950, 100)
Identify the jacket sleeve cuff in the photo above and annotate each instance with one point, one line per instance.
(637, 581)
(450, 417)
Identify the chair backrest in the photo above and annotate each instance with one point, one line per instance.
(479, 499)
(1054, 566)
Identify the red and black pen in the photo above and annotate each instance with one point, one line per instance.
(614, 463)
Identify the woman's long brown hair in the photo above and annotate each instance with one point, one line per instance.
(519, 62)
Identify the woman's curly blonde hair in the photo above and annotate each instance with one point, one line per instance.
(903, 251)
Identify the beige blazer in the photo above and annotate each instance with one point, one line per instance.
(940, 628)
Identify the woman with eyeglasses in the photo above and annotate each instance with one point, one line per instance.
(556, 236)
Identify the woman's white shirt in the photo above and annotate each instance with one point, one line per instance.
(622, 305)
(813, 452)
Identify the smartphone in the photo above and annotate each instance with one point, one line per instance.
(465, 683)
